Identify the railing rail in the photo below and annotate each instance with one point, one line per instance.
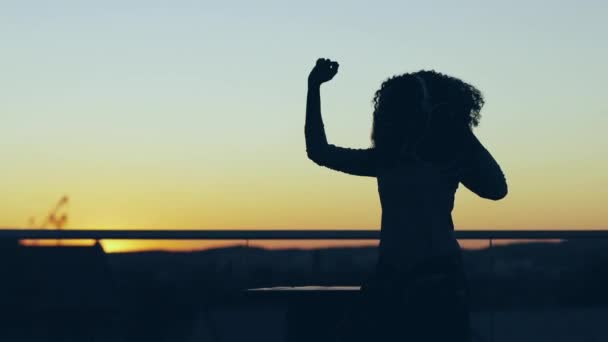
(282, 234)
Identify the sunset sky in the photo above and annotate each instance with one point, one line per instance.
(190, 114)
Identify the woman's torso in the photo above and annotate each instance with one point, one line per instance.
(417, 200)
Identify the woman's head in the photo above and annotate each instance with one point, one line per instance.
(423, 108)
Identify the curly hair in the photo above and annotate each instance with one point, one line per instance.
(407, 105)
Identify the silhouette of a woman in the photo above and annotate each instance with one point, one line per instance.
(423, 147)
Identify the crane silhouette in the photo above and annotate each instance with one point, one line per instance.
(57, 218)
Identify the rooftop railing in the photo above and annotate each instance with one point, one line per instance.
(284, 234)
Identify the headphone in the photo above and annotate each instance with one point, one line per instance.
(426, 96)
(427, 110)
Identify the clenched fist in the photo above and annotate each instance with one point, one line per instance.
(322, 72)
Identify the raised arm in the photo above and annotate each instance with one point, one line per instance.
(482, 174)
(358, 162)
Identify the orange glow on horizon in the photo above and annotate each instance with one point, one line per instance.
(127, 246)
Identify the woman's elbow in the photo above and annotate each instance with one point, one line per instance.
(498, 194)
(315, 156)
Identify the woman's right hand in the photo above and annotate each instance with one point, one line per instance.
(322, 72)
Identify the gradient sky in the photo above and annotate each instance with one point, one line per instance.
(190, 114)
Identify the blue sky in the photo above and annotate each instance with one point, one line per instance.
(184, 98)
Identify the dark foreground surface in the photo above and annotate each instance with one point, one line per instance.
(524, 292)
(279, 315)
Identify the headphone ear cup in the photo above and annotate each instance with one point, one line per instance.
(409, 151)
